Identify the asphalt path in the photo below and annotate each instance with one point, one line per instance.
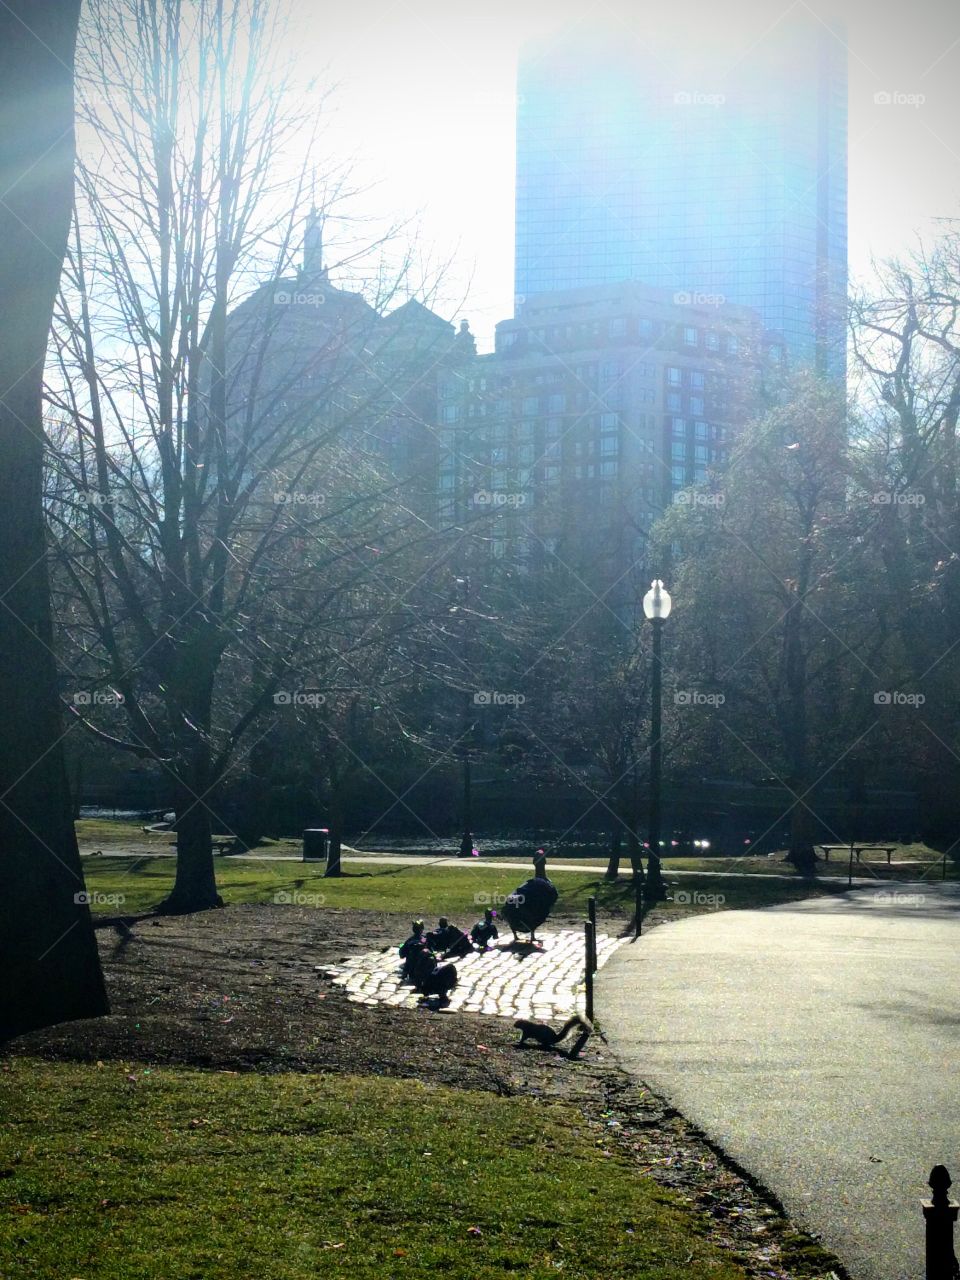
(431, 860)
(818, 1043)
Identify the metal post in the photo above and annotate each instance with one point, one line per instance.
(466, 840)
(588, 945)
(592, 913)
(940, 1213)
(850, 870)
(654, 880)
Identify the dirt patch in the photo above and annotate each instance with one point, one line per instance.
(238, 989)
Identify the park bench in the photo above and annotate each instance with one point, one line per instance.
(857, 849)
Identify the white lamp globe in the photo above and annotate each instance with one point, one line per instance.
(657, 602)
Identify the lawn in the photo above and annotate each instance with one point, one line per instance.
(459, 891)
(132, 1173)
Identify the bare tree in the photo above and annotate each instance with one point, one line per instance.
(232, 538)
(775, 608)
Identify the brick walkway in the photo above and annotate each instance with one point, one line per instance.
(504, 982)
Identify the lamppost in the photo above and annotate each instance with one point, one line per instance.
(466, 839)
(656, 607)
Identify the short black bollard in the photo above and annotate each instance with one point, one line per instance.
(940, 1213)
(588, 948)
(315, 844)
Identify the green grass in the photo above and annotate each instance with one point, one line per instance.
(129, 1173)
(459, 891)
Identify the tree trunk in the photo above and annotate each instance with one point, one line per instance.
(613, 866)
(48, 951)
(195, 884)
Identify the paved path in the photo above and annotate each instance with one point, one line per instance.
(819, 1043)
(432, 860)
(505, 981)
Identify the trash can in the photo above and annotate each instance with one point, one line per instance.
(315, 844)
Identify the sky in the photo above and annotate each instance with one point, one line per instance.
(425, 100)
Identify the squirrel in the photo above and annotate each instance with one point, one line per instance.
(547, 1038)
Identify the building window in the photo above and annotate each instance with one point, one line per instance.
(689, 336)
(618, 327)
(609, 444)
(608, 421)
(678, 450)
(733, 344)
(678, 475)
(700, 453)
(680, 428)
(531, 404)
(712, 339)
(673, 376)
(451, 413)
(609, 370)
(696, 379)
(608, 467)
(557, 402)
(696, 404)
(673, 400)
(700, 430)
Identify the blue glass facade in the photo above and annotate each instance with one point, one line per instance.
(633, 165)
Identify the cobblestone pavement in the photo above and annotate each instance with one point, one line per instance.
(508, 981)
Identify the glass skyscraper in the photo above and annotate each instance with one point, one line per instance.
(718, 178)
